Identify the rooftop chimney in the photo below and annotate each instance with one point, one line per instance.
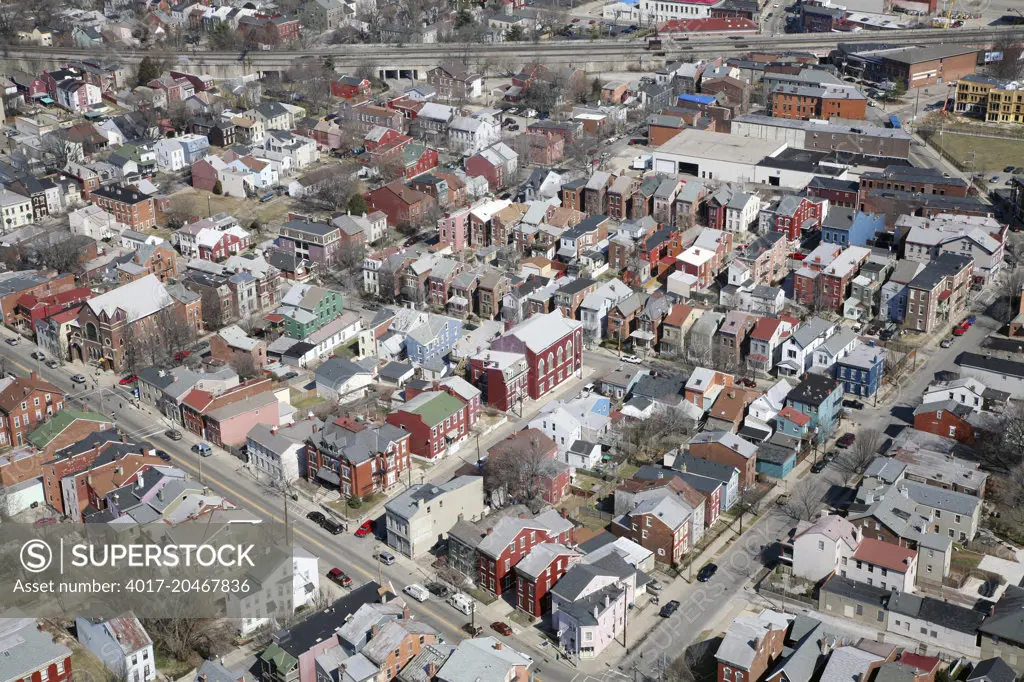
(497, 645)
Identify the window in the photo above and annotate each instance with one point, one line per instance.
(821, 545)
(508, 564)
(957, 518)
(860, 609)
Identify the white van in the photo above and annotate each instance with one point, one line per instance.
(461, 603)
(417, 592)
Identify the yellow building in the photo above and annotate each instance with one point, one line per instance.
(1005, 106)
(990, 99)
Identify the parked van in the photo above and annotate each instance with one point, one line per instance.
(461, 603)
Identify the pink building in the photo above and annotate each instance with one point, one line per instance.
(229, 425)
(454, 228)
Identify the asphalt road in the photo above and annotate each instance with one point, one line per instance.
(233, 479)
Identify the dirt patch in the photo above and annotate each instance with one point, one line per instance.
(199, 204)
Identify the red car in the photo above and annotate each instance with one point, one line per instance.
(130, 379)
(365, 529)
(845, 440)
(961, 329)
(501, 628)
(44, 522)
(181, 355)
(575, 20)
(336, 575)
(593, 21)
(796, 255)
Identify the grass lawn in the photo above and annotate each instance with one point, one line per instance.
(304, 403)
(199, 203)
(585, 482)
(965, 559)
(980, 153)
(89, 667)
(482, 595)
(521, 618)
(627, 471)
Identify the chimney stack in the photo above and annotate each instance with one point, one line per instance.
(497, 645)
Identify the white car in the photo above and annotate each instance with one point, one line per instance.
(633, 359)
(417, 592)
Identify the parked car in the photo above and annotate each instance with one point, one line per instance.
(365, 528)
(707, 573)
(52, 364)
(173, 434)
(290, 375)
(632, 359)
(316, 517)
(818, 466)
(502, 628)
(845, 440)
(163, 455)
(78, 378)
(748, 382)
(439, 590)
(668, 609)
(969, 320)
(655, 585)
(44, 522)
(38, 355)
(473, 630)
(202, 449)
(332, 527)
(13, 341)
(829, 456)
(947, 342)
(182, 354)
(853, 404)
(796, 255)
(417, 592)
(961, 329)
(130, 379)
(386, 558)
(338, 577)
(1010, 169)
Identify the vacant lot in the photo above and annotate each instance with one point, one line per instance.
(980, 153)
(199, 204)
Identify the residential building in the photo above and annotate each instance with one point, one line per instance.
(750, 647)
(729, 449)
(939, 294)
(510, 541)
(589, 604)
(356, 459)
(121, 644)
(436, 421)
(419, 517)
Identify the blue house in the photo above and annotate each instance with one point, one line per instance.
(862, 370)
(434, 339)
(818, 397)
(776, 457)
(848, 227)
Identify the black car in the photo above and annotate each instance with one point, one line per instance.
(818, 466)
(163, 455)
(829, 456)
(707, 573)
(853, 404)
(316, 517)
(332, 527)
(668, 609)
(439, 590)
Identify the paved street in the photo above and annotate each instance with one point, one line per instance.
(237, 482)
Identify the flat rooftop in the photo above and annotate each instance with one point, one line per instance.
(702, 144)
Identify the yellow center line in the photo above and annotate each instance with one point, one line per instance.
(314, 541)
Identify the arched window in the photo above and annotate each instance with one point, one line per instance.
(540, 366)
(568, 348)
(90, 332)
(560, 356)
(551, 359)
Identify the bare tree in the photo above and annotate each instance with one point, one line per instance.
(214, 313)
(1012, 49)
(645, 440)
(185, 637)
(59, 253)
(334, 192)
(60, 150)
(512, 473)
(854, 460)
(177, 334)
(1008, 293)
(245, 366)
(1002, 447)
(804, 502)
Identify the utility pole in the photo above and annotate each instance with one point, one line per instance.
(287, 529)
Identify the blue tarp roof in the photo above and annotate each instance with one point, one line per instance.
(698, 99)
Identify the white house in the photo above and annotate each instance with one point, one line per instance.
(881, 564)
(819, 548)
(95, 223)
(341, 380)
(277, 452)
(966, 391)
(122, 645)
(583, 418)
(470, 134)
(583, 454)
(835, 348)
(589, 604)
(761, 413)
(938, 624)
(301, 151)
(250, 611)
(16, 210)
(741, 212)
(676, 9)
(797, 351)
(595, 306)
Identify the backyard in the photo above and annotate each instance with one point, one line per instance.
(197, 204)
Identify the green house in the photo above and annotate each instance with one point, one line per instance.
(307, 308)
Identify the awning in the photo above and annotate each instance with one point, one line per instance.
(458, 301)
(328, 475)
(642, 335)
(274, 317)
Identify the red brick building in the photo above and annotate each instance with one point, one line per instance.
(356, 458)
(131, 207)
(948, 419)
(511, 540)
(803, 103)
(351, 88)
(25, 403)
(552, 346)
(727, 448)
(402, 205)
(503, 378)
(661, 523)
(197, 404)
(435, 420)
(273, 30)
(795, 214)
(537, 574)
